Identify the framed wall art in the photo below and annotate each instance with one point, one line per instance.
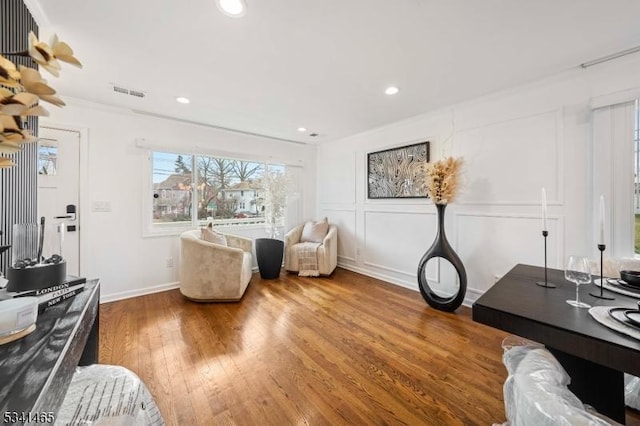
(398, 172)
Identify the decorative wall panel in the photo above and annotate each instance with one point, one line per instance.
(337, 177)
(491, 244)
(395, 241)
(509, 162)
(345, 220)
(18, 185)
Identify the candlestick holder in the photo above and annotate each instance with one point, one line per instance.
(545, 283)
(600, 294)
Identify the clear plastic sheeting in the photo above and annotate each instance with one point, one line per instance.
(632, 391)
(108, 395)
(536, 393)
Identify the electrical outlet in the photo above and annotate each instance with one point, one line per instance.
(169, 262)
(358, 251)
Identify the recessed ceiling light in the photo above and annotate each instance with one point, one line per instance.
(233, 8)
(302, 129)
(182, 100)
(391, 90)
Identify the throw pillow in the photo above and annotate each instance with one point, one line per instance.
(314, 232)
(208, 234)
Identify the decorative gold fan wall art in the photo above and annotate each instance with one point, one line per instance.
(22, 89)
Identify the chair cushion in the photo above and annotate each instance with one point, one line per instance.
(208, 234)
(314, 232)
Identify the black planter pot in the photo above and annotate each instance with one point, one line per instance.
(269, 254)
(441, 248)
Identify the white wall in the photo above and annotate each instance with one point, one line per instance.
(513, 143)
(115, 250)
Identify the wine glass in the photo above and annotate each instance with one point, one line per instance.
(578, 271)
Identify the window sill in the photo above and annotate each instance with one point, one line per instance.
(160, 232)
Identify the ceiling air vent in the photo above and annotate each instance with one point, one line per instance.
(131, 92)
(120, 90)
(136, 93)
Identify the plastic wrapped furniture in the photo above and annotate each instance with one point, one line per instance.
(327, 252)
(536, 393)
(611, 266)
(211, 272)
(632, 391)
(108, 395)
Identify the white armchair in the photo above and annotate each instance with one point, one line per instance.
(327, 252)
(212, 272)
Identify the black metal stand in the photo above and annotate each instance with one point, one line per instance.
(600, 294)
(545, 283)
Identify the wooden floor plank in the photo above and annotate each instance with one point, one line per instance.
(339, 350)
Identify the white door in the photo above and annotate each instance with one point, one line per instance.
(59, 194)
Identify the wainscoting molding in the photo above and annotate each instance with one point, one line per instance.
(532, 245)
(338, 189)
(326, 211)
(554, 119)
(390, 268)
(559, 220)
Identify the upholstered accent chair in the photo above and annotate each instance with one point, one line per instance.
(211, 272)
(326, 254)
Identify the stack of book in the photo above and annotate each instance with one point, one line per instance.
(52, 295)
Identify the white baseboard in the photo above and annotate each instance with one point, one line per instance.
(383, 277)
(105, 298)
(470, 297)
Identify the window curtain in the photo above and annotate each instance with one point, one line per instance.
(613, 176)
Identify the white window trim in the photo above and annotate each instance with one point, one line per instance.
(151, 230)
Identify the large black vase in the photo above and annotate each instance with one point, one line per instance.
(269, 253)
(441, 248)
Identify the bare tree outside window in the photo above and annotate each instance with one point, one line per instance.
(244, 170)
(226, 190)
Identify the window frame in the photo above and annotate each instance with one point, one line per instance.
(152, 229)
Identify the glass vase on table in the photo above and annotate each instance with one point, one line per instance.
(578, 271)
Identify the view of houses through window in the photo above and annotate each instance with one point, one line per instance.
(198, 188)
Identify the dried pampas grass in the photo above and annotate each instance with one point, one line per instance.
(444, 179)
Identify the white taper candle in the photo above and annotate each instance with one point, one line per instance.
(601, 240)
(544, 210)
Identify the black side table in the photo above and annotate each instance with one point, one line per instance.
(269, 254)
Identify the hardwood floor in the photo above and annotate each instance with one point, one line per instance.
(347, 349)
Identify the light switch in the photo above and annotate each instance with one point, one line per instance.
(101, 206)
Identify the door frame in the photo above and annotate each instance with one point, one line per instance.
(83, 186)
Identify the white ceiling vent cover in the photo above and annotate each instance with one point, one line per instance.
(131, 92)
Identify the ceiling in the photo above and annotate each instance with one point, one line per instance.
(323, 64)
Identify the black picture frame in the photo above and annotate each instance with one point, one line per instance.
(398, 172)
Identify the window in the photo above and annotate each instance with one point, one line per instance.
(47, 158)
(190, 190)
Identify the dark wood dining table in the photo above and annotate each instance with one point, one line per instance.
(594, 356)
